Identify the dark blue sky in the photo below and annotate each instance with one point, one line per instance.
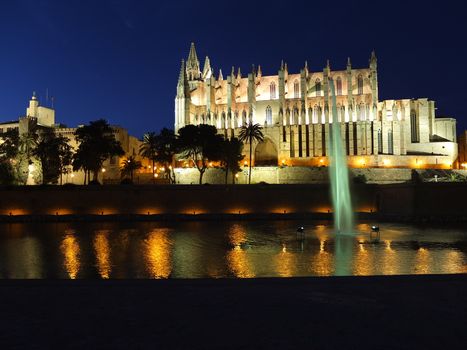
(120, 59)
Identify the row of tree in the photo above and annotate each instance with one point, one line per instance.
(47, 156)
(201, 144)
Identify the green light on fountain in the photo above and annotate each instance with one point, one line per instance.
(339, 173)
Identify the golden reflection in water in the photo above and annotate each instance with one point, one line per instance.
(157, 251)
(286, 263)
(237, 258)
(453, 262)
(321, 263)
(390, 261)
(70, 250)
(102, 251)
(362, 262)
(422, 261)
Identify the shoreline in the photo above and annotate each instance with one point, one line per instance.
(376, 217)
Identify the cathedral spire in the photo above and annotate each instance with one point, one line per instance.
(182, 81)
(207, 71)
(282, 64)
(232, 73)
(373, 60)
(192, 64)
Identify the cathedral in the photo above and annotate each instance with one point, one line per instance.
(295, 112)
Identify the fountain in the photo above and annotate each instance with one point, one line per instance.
(339, 173)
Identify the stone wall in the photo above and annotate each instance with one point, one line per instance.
(438, 201)
(290, 175)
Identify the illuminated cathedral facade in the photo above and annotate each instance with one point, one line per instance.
(295, 112)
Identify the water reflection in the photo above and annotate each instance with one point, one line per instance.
(363, 265)
(157, 250)
(223, 249)
(102, 251)
(286, 263)
(71, 253)
(322, 262)
(422, 261)
(24, 258)
(343, 251)
(237, 257)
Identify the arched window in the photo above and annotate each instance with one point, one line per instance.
(268, 115)
(414, 127)
(360, 84)
(318, 87)
(339, 86)
(296, 89)
(272, 90)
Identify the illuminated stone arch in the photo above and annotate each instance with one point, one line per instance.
(266, 153)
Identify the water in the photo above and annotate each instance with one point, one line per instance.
(228, 249)
(339, 173)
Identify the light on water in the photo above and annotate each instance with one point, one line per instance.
(225, 249)
(339, 173)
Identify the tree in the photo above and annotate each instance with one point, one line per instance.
(231, 156)
(251, 132)
(129, 166)
(6, 173)
(28, 142)
(148, 149)
(54, 154)
(167, 147)
(8, 153)
(96, 144)
(201, 144)
(10, 145)
(65, 156)
(47, 155)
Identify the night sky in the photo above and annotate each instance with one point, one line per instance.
(120, 59)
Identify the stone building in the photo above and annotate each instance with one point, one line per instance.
(295, 111)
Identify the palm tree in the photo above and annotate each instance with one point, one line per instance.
(129, 166)
(251, 132)
(148, 149)
(27, 143)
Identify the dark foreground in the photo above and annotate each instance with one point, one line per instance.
(401, 312)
